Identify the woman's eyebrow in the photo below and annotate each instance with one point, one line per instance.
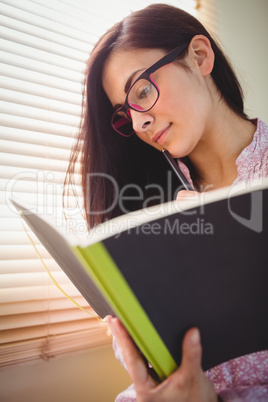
(127, 86)
(129, 81)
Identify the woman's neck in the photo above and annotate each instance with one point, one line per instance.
(214, 158)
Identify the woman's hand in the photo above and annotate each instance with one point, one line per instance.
(187, 384)
(187, 195)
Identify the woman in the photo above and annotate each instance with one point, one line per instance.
(158, 77)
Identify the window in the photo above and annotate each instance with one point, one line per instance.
(44, 45)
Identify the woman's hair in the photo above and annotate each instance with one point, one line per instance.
(123, 174)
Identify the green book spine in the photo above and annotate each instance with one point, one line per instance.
(108, 278)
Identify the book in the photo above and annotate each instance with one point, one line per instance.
(167, 268)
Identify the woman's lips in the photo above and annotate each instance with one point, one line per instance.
(160, 135)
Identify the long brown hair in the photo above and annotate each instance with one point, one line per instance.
(110, 162)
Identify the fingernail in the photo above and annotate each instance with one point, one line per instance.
(107, 318)
(112, 324)
(110, 320)
(195, 337)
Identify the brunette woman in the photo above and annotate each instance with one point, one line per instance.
(158, 80)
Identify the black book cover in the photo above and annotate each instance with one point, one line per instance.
(203, 268)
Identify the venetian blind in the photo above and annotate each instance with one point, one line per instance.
(43, 48)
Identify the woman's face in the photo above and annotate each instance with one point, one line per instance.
(180, 118)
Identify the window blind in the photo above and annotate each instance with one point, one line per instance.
(43, 49)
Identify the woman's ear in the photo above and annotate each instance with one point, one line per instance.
(201, 53)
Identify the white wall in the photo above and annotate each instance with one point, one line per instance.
(243, 31)
(89, 376)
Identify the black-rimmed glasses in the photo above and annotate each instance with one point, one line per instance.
(142, 95)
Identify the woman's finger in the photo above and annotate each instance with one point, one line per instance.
(135, 364)
(191, 352)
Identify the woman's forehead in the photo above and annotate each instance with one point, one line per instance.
(122, 64)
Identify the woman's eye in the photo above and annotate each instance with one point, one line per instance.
(145, 92)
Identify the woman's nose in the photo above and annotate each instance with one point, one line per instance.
(141, 121)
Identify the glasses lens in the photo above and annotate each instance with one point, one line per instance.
(143, 95)
(122, 123)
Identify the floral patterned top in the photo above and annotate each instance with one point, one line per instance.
(244, 379)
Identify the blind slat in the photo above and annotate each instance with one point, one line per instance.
(40, 102)
(70, 31)
(23, 50)
(42, 305)
(39, 44)
(18, 173)
(25, 186)
(42, 318)
(11, 281)
(18, 252)
(75, 19)
(14, 23)
(33, 162)
(17, 266)
(17, 237)
(26, 123)
(32, 137)
(36, 293)
(39, 114)
(42, 203)
(40, 73)
(37, 332)
(42, 349)
(11, 147)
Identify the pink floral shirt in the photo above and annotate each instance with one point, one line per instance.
(244, 379)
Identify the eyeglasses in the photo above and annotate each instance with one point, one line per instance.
(142, 95)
